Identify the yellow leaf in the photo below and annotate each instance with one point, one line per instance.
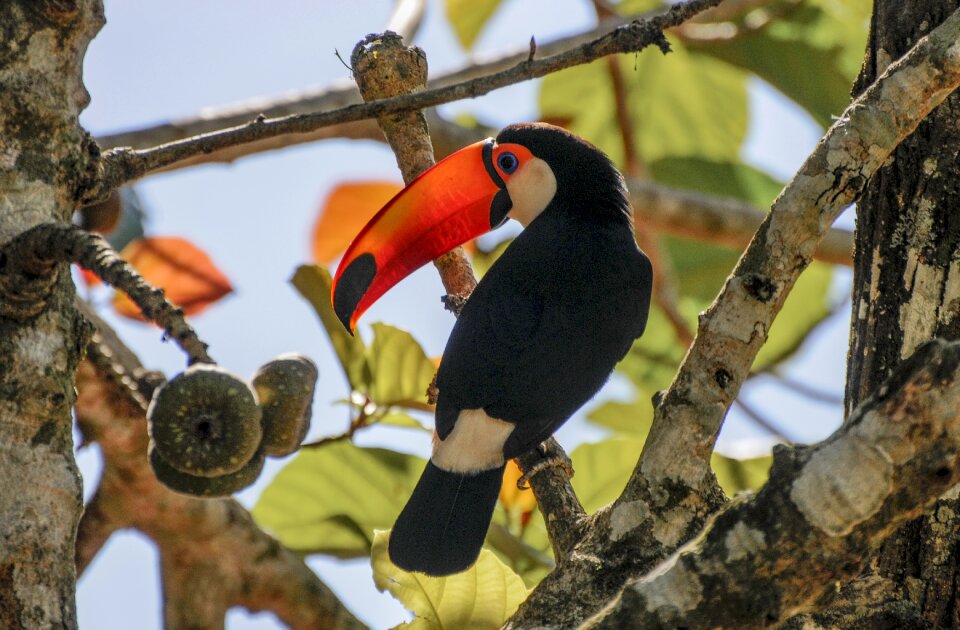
(483, 596)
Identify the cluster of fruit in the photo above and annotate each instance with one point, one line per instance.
(211, 430)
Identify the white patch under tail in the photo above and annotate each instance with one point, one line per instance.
(475, 444)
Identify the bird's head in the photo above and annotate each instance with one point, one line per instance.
(527, 170)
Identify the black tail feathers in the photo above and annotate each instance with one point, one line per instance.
(441, 529)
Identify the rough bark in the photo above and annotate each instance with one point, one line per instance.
(826, 506)
(906, 291)
(43, 156)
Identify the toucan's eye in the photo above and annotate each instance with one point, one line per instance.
(507, 162)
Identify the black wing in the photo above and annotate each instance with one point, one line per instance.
(544, 329)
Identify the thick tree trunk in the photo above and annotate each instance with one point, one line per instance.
(43, 156)
(906, 291)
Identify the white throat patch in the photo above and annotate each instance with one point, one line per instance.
(531, 189)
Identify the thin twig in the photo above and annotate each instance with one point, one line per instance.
(362, 421)
(123, 164)
(34, 256)
(337, 95)
(804, 389)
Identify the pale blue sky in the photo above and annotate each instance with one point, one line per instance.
(155, 61)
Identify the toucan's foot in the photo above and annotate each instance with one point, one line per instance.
(552, 456)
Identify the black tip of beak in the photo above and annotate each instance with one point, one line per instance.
(353, 283)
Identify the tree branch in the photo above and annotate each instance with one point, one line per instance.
(406, 18)
(669, 496)
(717, 220)
(831, 504)
(123, 165)
(339, 95)
(252, 569)
(32, 260)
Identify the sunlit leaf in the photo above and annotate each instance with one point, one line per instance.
(483, 596)
(468, 17)
(186, 273)
(735, 475)
(330, 499)
(635, 7)
(400, 371)
(483, 259)
(681, 104)
(810, 51)
(402, 420)
(653, 359)
(603, 469)
(630, 418)
(345, 211)
(314, 283)
(528, 554)
(703, 269)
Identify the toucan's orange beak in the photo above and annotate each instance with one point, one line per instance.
(460, 198)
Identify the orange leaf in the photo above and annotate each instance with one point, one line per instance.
(183, 271)
(89, 278)
(345, 211)
(512, 497)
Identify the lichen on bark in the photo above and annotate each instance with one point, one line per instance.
(44, 157)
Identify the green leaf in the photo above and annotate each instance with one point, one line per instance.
(602, 470)
(330, 499)
(483, 259)
(720, 178)
(314, 283)
(735, 475)
(400, 371)
(702, 269)
(401, 420)
(681, 104)
(811, 52)
(483, 596)
(653, 359)
(636, 7)
(468, 17)
(529, 556)
(631, 418)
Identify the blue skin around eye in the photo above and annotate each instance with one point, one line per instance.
(507, 162)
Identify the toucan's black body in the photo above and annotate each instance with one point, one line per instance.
(538, 337)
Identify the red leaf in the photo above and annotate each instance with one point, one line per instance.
(345, 211)
(183, 271)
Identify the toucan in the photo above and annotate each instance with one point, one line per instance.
(538, 337)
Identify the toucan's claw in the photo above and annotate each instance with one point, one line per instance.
(553, 458)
